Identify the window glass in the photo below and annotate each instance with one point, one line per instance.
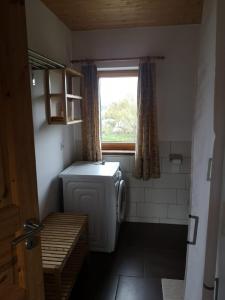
(118, 104)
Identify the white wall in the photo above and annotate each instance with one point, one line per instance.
(164, 200)
(175, 75)
(46, 33)
(175, 92)
(54, 145)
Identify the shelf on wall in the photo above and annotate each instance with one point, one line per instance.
(73, 97)
(74, 122)
(73, 72)
(63, 106)
(61, 121)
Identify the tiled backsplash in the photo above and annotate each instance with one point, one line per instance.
(163, 200)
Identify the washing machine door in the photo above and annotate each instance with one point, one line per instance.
(121, 208)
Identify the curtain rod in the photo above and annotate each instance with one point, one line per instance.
(115, 59)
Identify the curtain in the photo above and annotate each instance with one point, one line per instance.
(147, 149)
(90, 114)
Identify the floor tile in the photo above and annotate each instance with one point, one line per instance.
(98, 263)
(134, 288)
(164, 264)
(107, 288)
(128, 261)
(157, 236)
(95, 287)
(145, 253)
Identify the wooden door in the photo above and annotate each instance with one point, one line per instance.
(18, 192)
(202, 151)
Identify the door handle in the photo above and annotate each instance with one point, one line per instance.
(216, 288)
(31, 228)
(193, 242)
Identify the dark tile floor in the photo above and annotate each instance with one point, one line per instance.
(145, 253)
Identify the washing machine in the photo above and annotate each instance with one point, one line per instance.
(98, 190)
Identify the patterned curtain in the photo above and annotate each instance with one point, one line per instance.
(147, 148)
(90, 107)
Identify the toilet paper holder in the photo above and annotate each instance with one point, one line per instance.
(176, 158)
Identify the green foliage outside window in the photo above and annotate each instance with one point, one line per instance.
(119, 121)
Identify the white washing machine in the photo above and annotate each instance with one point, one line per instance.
(98, 190)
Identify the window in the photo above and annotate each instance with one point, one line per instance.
(118, 109)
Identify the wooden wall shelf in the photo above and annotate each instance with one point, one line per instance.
(63, 106)
(60, 121)
(75, 122)
(73, 97)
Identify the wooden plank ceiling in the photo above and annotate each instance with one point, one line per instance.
(106, 14)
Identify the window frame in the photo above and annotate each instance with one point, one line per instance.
(117, 146)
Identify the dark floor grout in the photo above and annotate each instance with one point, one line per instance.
(117, 287)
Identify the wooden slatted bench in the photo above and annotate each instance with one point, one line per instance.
(64, 242)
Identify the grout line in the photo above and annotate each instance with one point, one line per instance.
(144, 188)
(117, 287)
(135, 209)
(145, 264)
(131, 276)
(176, 196)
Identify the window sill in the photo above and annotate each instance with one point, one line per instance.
(118, 152)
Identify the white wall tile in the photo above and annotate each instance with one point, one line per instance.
(135, 182)
(160, 196)
(146, 210)
(188, 182)
(142, 220)
(126, 177)
(109, 158)
(164, 149)
(177, 212)
(168, 167)
(131, 210)
(182, 147)
(165, 165)
(174, 221)
(148, 195)
(125, 163)
(170, 181)
(131, 160)
(162, 200)
(136, 194)
(185, 166)
(183, 197)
